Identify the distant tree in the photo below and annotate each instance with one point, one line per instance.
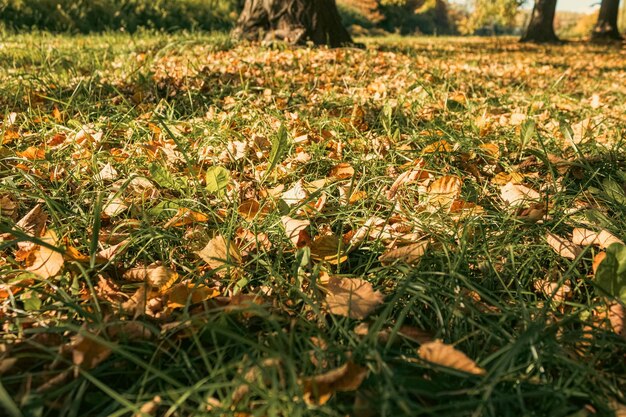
(492, 13)
(293, 21)
(606, 26)
(541, 26)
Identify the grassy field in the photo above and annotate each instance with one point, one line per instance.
(195, 227)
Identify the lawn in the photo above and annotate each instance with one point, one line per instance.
(195, 227)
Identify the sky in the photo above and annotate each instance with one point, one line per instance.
(584, 6)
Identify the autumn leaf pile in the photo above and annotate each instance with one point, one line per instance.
(191, 227)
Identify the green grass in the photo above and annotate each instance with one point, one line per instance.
(203, 92)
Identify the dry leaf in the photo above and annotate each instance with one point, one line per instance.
(443, 191)
(341, 171)
(186, 217)
(517, 194)
(8, 207)
(107, 173)
(219, 253)
(33, 225)
(250, 209)
(587, 237)
(411, 254)
(189, 293)
(352, 297)
(554, 290)
(87, 353)
(157, 276)
(597, 260)
(416, 174)
(46, 263)
(328, 249)
(562, 246)
(149, 408)
(446, 355)
(295, 195)
(502, 178)
(296, 231)
(320, 388)
(441, 146)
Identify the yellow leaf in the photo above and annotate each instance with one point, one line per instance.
(440, 146)
(219, 253)
(342, 171)
(445, 355)
(185, 217)
(47, 263)
(186, 292)
(352, 297)
(443, 191)
(328, 249)
(491, 150)
(250, 209)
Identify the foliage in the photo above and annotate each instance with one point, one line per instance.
(98, 15)
(492, 13)
(193, 227)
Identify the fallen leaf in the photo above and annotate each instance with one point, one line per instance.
(554, 290)
(186, 293)
(32, 224)
(328, 249)
(517, 194)
(186, 217)
(250, 209)
(407, 177)
(296, 231)
(587, 237)
(319, 389)
(295, 195)
(411, 254)
(87, 353)
(149, 408)
(47, 263)
(441, 146)
(157, 276)
(444, 191)
(341, 171)
(563, 247)
(219, 253)
(446, 355)
(352, 297)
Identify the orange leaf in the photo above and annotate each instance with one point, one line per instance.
(446, 355)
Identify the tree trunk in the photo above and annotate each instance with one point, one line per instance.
(606, 27)
(541, 26)
(293, 21)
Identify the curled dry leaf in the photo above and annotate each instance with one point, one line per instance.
(295, 195)
(46, 262)
(33, 224)
(415, 174)
(157, 276)
(328, 249)
(296, 231)
(219, 253)
(586, 237)
(562, 246)
(446, 355)
(320, 388)
(554, 290)
(411, 254)
(341, 171)
(518, 195)
(352, 297)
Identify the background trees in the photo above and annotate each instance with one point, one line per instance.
(541, 26)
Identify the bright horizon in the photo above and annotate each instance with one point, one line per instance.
(580, 6)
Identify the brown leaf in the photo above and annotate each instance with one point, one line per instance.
(352, 297)
(87, 353)
(8, 207)
(157, 276)
(219, 253)
(446, 355)
(411, 254)
(32, 224)
(47, 263)
(341, 171)
(587, 237)
(418, 173)
(328, 249)
(441, 146)
(563, 247)
(320, 388)
(296, 231)
(249, 209)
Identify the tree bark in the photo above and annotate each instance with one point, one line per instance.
(293, 21)
(606, 27)
(541, 26)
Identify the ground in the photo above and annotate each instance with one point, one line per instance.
(192, 227)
